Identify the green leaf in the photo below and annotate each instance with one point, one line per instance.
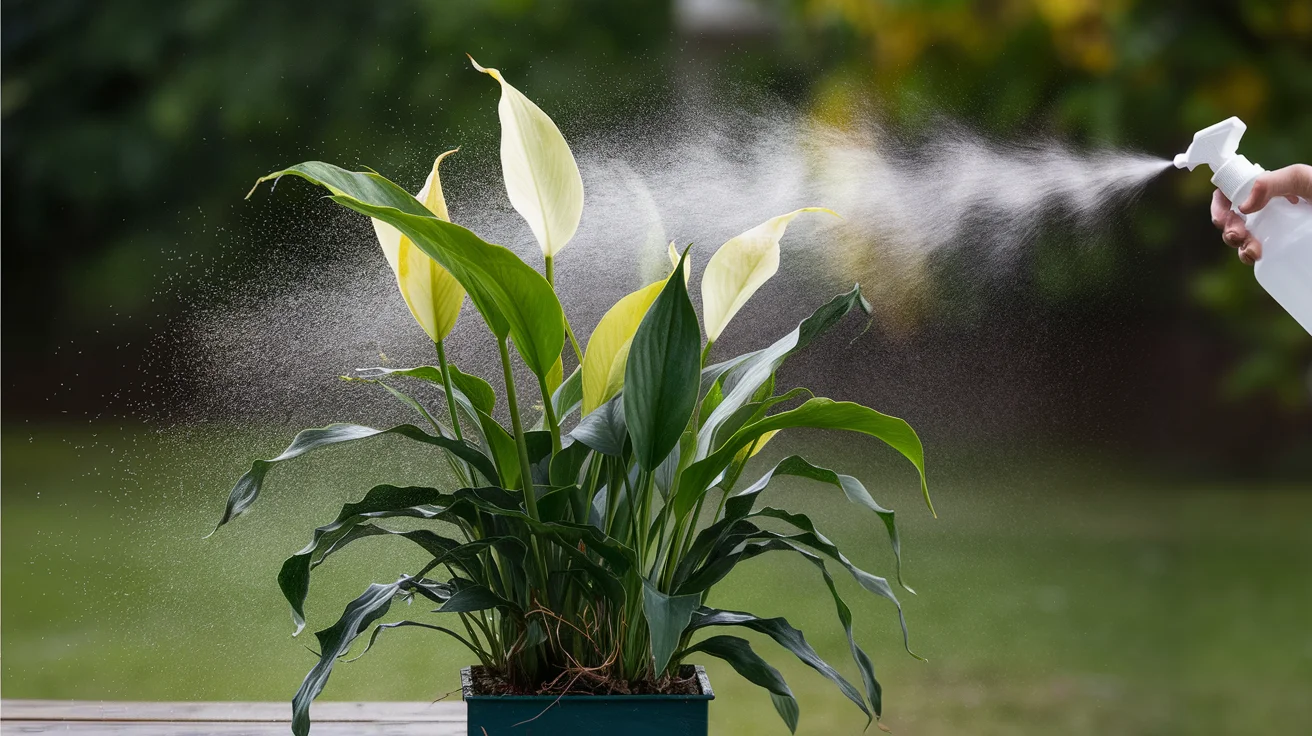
(605, 429)
(472, 598)
(566, 464)
(817, 413)
(294, 577)
(667, 618)
(740, 505)
(385, 501)
(787, 637)
(247, 489)
(380, 628)
(501, 445)
(718, 567)
(661, 379)
(738, 653)
(334, 642)
(567, 399)
(514, 299)
(741, 380)
(480, 392)
(472, 394)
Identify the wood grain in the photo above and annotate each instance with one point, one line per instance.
(90, 718)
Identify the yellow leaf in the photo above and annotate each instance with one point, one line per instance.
(608, 347)
(542, 180)
(555, 376)
(750, 451)
(432, 293)
(740, 267)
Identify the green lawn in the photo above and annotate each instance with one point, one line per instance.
(1054, 597)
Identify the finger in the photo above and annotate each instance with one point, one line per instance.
(1235, 238)
(1220, 208)
(1249, 253)
(1291, 181)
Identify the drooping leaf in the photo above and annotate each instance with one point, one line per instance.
(608, 347)
(741, 380)
(618, 556)
(856, 493)
(818, 413)
(738, 653)
(381, 502)
(513, 298)
(380, 628)
(741, 504)
(542, 180)
(787, 637)
(471, 598)
(740, 267)
(334, 642)
(472, 394)
(662, 376)
(294, 577)
(667, 618)
(431, 292)
(247, 489)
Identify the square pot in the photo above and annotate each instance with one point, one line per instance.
(587, 715)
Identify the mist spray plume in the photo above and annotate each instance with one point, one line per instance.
(903, 199)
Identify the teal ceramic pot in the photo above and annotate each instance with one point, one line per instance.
(587, 715)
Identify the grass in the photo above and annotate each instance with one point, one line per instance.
(1054, 597)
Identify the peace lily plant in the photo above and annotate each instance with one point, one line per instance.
(581, 560)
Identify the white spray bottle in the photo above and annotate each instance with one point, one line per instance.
(1283, 228)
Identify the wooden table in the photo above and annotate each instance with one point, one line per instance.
(92, 718)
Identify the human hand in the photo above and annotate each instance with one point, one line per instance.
(1290, 182)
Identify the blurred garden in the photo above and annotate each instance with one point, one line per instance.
(1118, 433)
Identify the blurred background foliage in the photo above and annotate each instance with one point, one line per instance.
(131, 129)
(1095, 569)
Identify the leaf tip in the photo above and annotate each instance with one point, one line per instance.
(486, 70)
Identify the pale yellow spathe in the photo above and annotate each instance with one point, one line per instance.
(432, 293)
(542, 179)
(608, 348)
(740, 267)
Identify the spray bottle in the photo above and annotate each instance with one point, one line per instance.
(1283, 228)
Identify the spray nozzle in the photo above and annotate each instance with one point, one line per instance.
(1218, 146)
(1213, 145)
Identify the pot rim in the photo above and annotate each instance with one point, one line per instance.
(467, 692)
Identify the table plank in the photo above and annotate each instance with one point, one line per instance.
(322, 712)
(106, 718)
(203, 728)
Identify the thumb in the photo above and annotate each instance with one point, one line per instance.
(1291, 182)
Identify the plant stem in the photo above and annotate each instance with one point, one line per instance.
(551, 279)
(612, 495)
(550, 411)
(450, 392)
(706, 351)
(525, 470)
(574, 342)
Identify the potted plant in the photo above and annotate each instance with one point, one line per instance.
(575, 563)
